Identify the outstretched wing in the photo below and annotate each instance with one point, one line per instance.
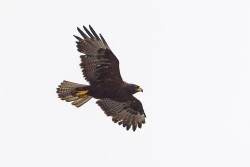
(99, 64)
(128, 112)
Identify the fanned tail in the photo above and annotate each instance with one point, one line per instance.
(73, 92)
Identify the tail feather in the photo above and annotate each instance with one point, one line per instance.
(67, 91)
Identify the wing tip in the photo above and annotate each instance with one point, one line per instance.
(78, 38)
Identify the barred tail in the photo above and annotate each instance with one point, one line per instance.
(70, 91)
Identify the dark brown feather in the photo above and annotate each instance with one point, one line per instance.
(103, 40)
(78, 38)
(103, 68)
(126, 111)
(87, 31)
(93, 32)
(82, 33)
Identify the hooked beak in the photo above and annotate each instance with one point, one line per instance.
(139, 90)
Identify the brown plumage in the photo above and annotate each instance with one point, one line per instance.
(100, 68)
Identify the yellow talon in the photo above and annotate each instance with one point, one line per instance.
(82, 93)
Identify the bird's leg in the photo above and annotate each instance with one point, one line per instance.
(81, 93)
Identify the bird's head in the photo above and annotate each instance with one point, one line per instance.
(135, 88)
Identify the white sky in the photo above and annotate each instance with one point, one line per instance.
(192, 58)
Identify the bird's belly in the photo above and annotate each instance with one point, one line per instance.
(106, 92)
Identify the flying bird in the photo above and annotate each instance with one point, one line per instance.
(100, 68)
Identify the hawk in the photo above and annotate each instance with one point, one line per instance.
(100, 68)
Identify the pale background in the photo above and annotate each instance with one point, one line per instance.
(192, 58)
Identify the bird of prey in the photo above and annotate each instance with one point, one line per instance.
(100, 68)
